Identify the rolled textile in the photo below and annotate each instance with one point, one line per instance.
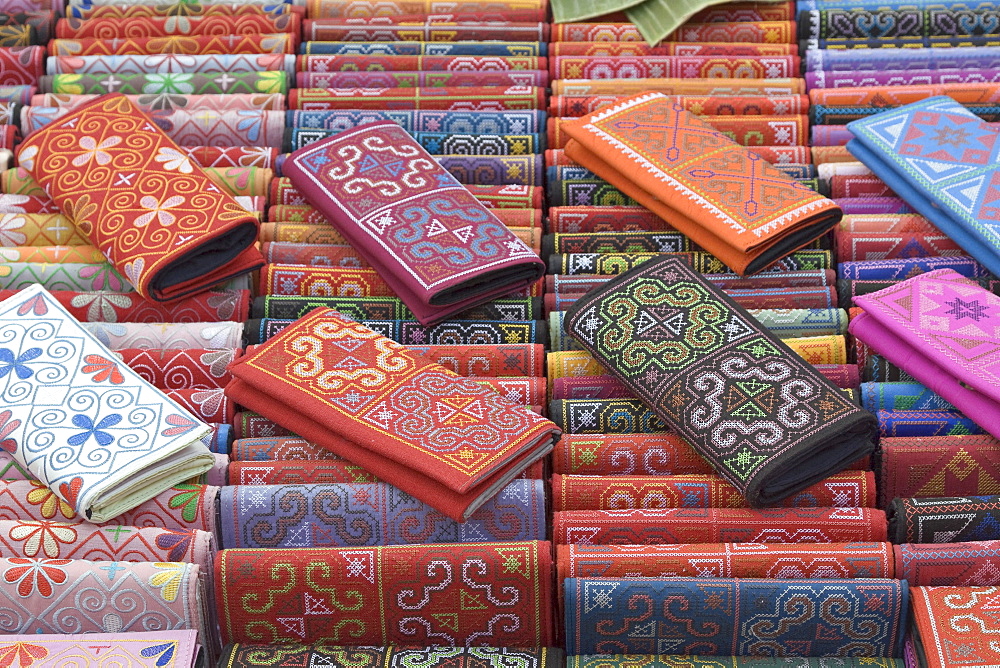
(129, 307)
(326, 29)
(661, 66)
(472, 98)
(952, 564)
(701, 661)
(441, 251)
(847, 489)
(167, 336)
(469, 122)
(368, 9)
(211, 238)
(21, 65)
(718, 525)
(953, 626)
(686, 184)
(637, 454)
(662, 296)
(781, 32)
(727, 560)
(398, 594)
(152, 103)
(925, 423)
(140, 649)
(936, 466)
(269, 71)
(901, 269)
(162, 26)
(410, 332)
(243, 655)
(902, 160)
(735, 616)
(292, 472)
(955, 519)
(145, 442)
(91, 11)
(421, 79)
(283, 43)
(519, 49)
(438, 143)
(191, 368)
(369, 514)
(453, 459)
(839, 23)
(44, 593)
(516, 309)
(940, 328)
(901, 396)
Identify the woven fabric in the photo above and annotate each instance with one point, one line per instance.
(152, 103)
(370, 514)
(940, 328)
(681, 182)
(187, 9)
(952, 564)
(696, 661)
(925, 423)
(661, 66)
(183, 507)
(953, 626)
(333, 30)
(665, 297)
(129, 597)
(440, 250)
(930, 173)
(901, 269)
(167, 336)
(763, 32)
(471, 98)
(852, 60)
(146, 78)
(390, 308)
(454, 457)
(247, 655)
(96, 433)
(638, 454)
(199, 44)
(718, 525)
(900, 396)
(418, 48)
(477, 594)
(726, 560)
(161, 26)
(437, 143)
(848, 489)
(939, 466)
(904, 22)
(729, 617)
(410, 332)
(21, 65)
(605, 416)
(279, 472)
(945, 519)
(972, 93)
(129, 307)
(151, 238)
(150, 649)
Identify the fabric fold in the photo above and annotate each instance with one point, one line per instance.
(766, 419)
(439, 248)
(88, 427)
(156, 216)
(728, 200)
(446, 440)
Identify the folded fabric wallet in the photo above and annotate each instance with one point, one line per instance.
(448, 441)
(944, 161)
(88, 427)
(141, 200)
(764, 417)
(729, 201)
(944, 330)
(436, 245)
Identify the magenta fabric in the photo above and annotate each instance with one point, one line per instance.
(944, 330)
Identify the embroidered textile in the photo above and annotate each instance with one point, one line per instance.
(166, 214)
(954, 626)
(718, 525)
(436, 245)
(952, 564)
(669, 334)
(247, 656)
(735, 617)
(944, 520)
(454, 454)
(96, 433)
(140, 649)
(370, 514)
(940, 328)
(473, 594)
(936, 466)
(666, 661)
(726, 560)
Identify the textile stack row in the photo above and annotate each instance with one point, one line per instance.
(401, 333)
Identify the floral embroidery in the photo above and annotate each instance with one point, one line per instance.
(26, 158)
(8, 235)
(165, 650)
(101, 305)
(48, 502)
(7, 426)
(103, 369)
(189, 499)
(102, 276)
(168, 580)
(40, 575)
(17, 364)
(39, 535)
(169, 83)
(85, 422)
(158, 210)
(177, 542)
(95, 151)
(174, 160)
(23, 654)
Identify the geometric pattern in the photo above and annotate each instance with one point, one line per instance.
(942, 159)
(140, 649)
(957, 626)
(710, 372)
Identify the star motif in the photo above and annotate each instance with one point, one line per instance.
(966, 309)
(950, 136)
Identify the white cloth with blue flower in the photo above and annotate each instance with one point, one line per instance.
(91, 429)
